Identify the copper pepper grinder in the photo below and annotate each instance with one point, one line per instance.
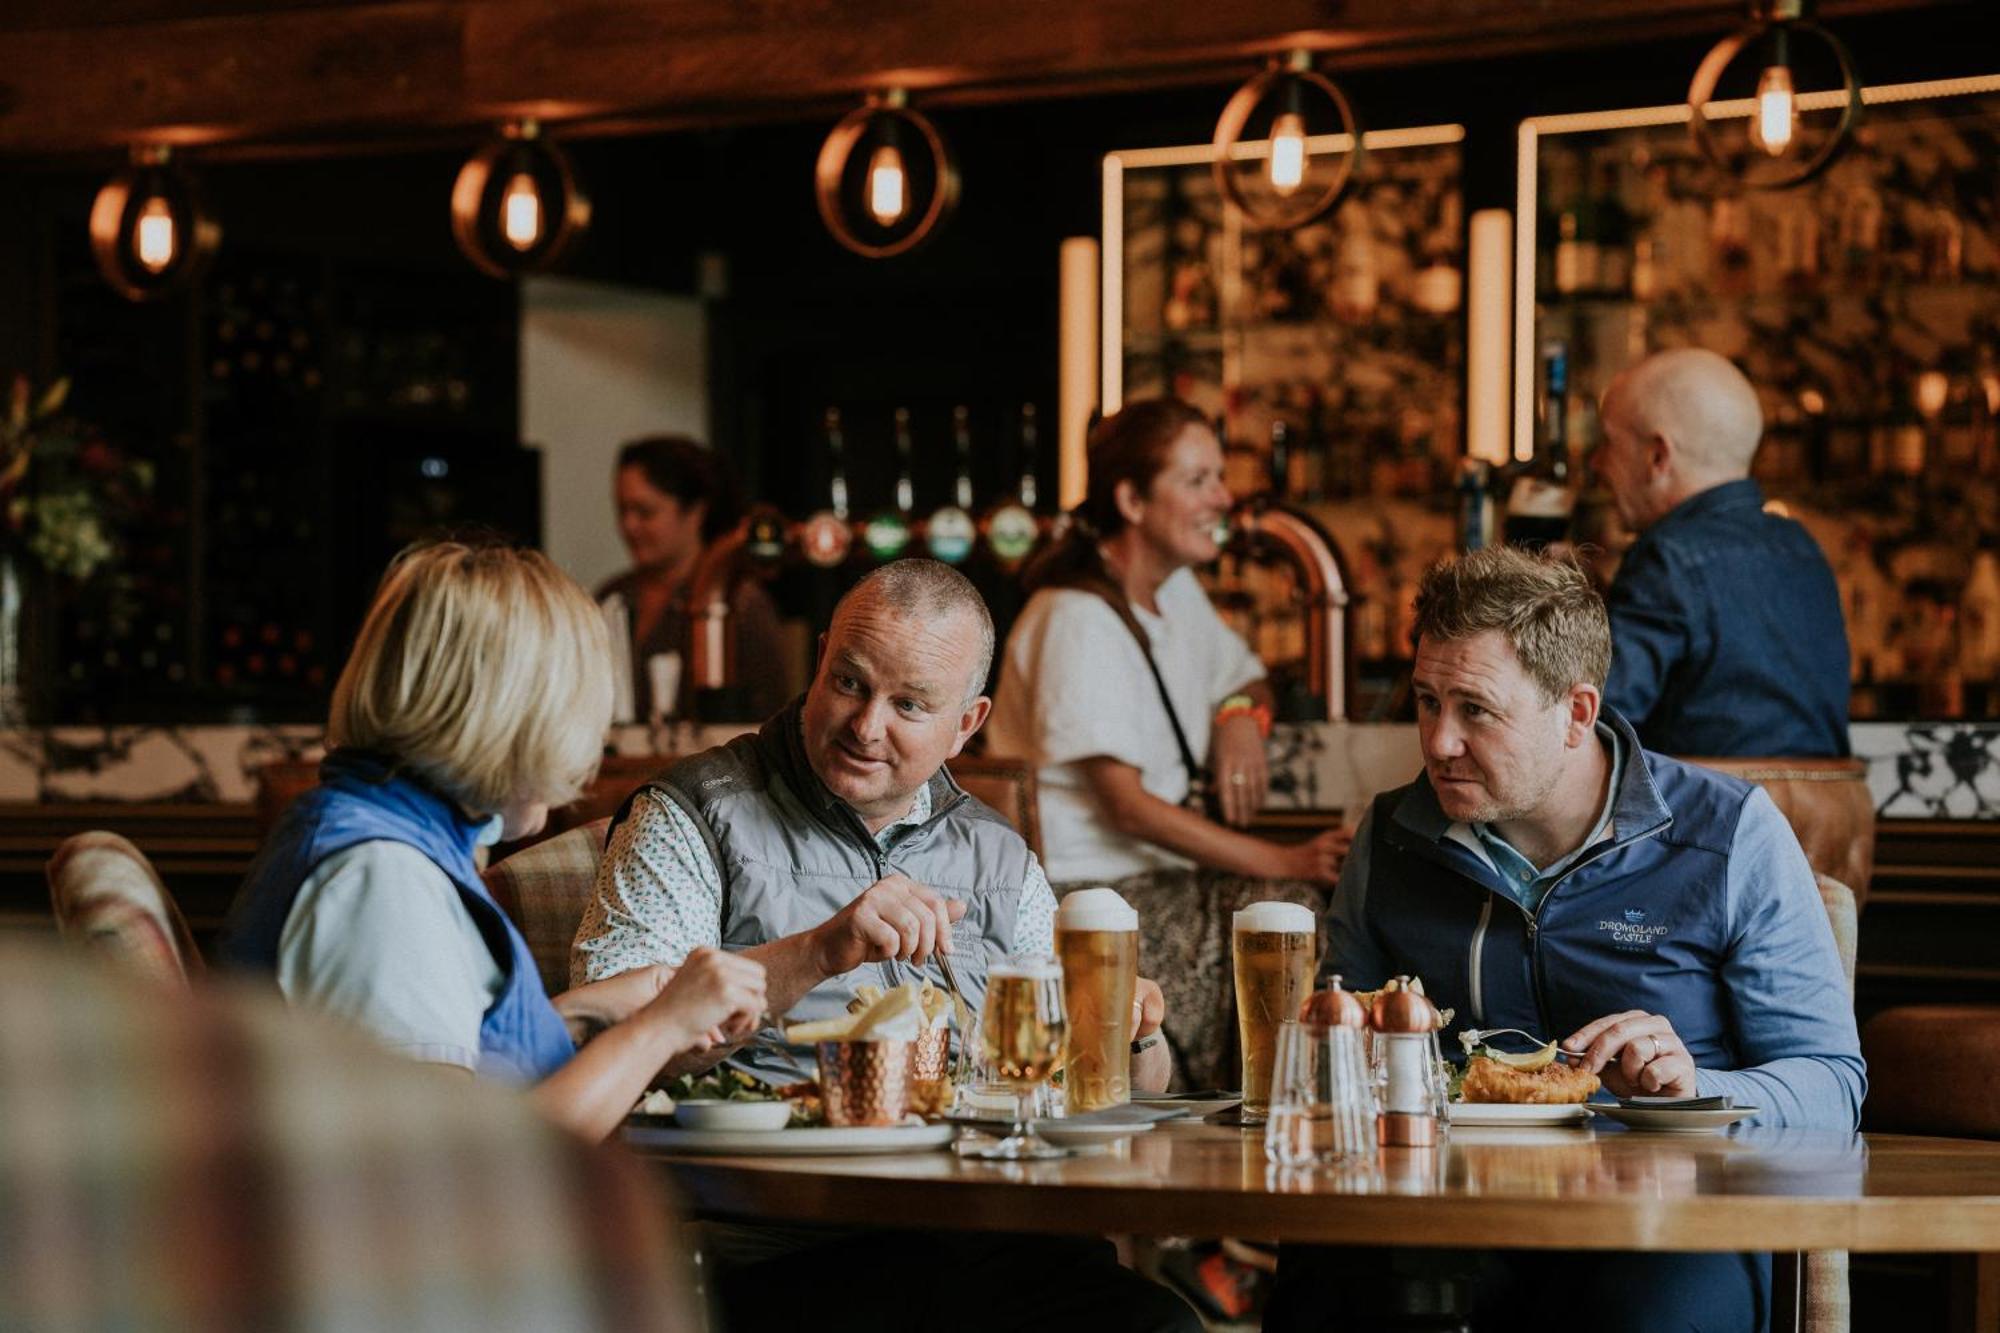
(1405, 1023)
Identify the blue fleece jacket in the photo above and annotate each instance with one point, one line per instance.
(1700, 906)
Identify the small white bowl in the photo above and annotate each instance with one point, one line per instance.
(732, 1115)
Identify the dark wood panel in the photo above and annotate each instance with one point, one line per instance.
(1931, 930)
(103, 72)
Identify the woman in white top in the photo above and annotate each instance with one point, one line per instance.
(1078, 697)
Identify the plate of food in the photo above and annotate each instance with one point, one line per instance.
(1518, 1088)
(1518, 1114)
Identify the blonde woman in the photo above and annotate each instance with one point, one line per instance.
(476, 697)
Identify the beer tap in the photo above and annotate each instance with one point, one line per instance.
(888, 533)
(1012, 529)
(826, 536)
(950, 532)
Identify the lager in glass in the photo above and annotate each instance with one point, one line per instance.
(1097, 939)
(1273, 949)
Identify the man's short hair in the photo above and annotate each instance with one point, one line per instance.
(1551, 616)
(484, 669)
(930, 589)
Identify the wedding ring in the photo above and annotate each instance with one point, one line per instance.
(1656, 1049)
(1237, 779)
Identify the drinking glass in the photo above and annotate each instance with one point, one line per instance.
(1272, 949)
(1021, 1033)
(1322, 1096)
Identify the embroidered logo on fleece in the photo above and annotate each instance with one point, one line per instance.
(1629, 931)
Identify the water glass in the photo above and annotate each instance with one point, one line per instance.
(1322, 1096)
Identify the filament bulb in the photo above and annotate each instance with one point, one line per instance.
(156, 241)
(521, 212)
(888, 194)
(1288, 152)
(1776, 120)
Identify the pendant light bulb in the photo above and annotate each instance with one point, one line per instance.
(1288, 152)
(521, 212)
(888, 186)
(155, 243)
(1775, 122)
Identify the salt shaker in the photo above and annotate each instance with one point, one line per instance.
(1405, 1021)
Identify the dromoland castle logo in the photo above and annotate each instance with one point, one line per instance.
(1628, 930)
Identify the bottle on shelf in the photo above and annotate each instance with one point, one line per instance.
(1540, 500)
(826, 537)
(950, 533)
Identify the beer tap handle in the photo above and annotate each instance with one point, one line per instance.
(836, 448)
(961, 430)
(1028, 446)
(906, 493)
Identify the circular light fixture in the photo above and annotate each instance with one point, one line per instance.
(1284, 202)
(1773, 123)
(885, 179)
(516, 207)
(149, 231)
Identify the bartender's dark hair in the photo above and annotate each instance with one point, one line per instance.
(691, 473)
(1130, 445)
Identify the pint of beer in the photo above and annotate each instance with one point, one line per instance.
(1097, 939)
(1273, 948)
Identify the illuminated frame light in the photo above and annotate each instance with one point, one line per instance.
(1774, 110)
(516, 206)
(891, 222)
(1526, 161)
(1111, 287)
(150, 232)
(1289, 152)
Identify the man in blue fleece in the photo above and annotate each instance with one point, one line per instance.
(1545, 872)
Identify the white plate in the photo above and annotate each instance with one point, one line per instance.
(1667, 1120)
(820, 1142)
(1083, 1133)
(1196, 1107)
(1504, 1113)
(765, 1116)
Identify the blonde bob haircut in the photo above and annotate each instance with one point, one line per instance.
(485, 670)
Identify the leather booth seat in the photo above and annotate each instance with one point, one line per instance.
(1934, 1069)
(1829, 807)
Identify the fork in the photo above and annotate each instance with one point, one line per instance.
(962, 1067)
(1473, 1036)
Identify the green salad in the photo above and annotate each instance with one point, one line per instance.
(726, 1084)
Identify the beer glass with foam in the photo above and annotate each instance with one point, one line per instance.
(1272, 944)
(1097, 939)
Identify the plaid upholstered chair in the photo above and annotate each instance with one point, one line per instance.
(108, 899)
(545, 888)
(229, 1164)
(1809, 1290)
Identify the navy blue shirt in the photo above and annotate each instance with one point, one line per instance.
(1726, 632)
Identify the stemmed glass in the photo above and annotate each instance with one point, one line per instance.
(1022, 1032)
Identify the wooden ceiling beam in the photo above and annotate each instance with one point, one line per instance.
(93, 74)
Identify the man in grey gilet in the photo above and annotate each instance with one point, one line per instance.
(834, 848)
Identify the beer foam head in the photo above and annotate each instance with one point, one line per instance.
(1096, 909)
(1281, 918)
(1036, 967)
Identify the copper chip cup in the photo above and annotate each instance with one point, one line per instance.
(865, 1082)
(930, 1072)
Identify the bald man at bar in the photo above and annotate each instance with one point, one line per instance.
(1725, 618)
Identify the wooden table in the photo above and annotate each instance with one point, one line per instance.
(1599, 1188)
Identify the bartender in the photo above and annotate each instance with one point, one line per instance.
(675, 498)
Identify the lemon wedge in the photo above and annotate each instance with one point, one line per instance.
(1535, 1059)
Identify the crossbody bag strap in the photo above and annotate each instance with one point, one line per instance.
(1197, 777)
